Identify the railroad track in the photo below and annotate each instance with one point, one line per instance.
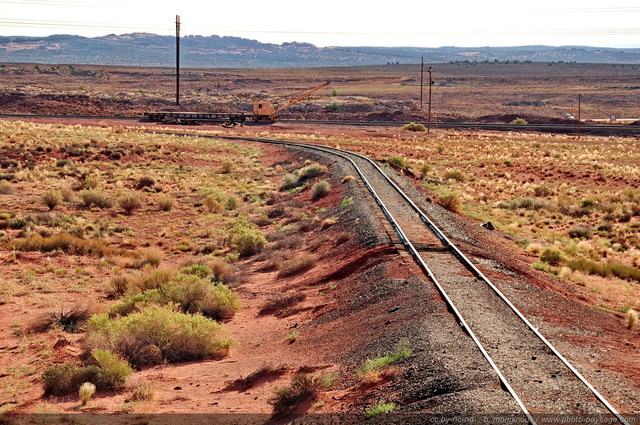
(529, 367)
(595, 129)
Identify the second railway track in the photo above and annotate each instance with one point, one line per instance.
(539, 378)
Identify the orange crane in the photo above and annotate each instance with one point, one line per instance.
(266, 111)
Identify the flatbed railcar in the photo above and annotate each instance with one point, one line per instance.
(230, 117)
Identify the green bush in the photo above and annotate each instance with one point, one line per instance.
(552, 255)
(619, 270)
(379, 408)
(414, 127)
(245, 237)
(188, 293)
(114, 371)
(110, 373)
(519, 121)
(398, 161)
(156, 334)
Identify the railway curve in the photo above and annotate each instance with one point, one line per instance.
(529, 367)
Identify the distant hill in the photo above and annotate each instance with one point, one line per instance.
(143, 49)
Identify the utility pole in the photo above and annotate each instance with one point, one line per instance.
(177, 60)
(429, 113)
(579, 111)
(421, 81)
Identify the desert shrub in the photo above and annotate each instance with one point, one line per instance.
(287, 398)
(451, 201)
(174, 336)
(6, 188)
(142, 392)
(425, 168)
(279, 302)
(110, 373)
(552, 255)
(412, 126)
(454, 175)
(68, 318)
(289, 181)
(85, 392)
(227, 167)
(519, 121)
(632, 319)
(193, 294)
(379, 408)
(199, 270)
(619, 270)
(312, 171)
(296, 265)
(320, 189)
(580, 232)
(129, 202)
(542, 190)
(114, 370)
(145, 181)
(527, 203)
(152, 256)
(213, 204)
(90, 181)
(397, 161)
(245, 237)
(346, 179)
(65, 242)
(95, 198)
(52, 198)
(165, 202)
(66, 378)
(149, 278)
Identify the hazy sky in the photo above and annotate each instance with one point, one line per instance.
(341, 23)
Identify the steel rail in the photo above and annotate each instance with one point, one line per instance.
(467, 263)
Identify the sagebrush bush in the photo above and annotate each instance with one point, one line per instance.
(129, 202)
(52, 198)
(398, 161)
(320, 189)
(110, 373)
(65, 242)
(311, 171)
(174, 336)
(287, 398)
(213, 204)
(114, 370)
(454, 175)
(145, 181)
(412, 126)
(165, 202)
(96, 198)
(245, 237)
(296, 265)
(227, 167)
(6, 188)
(552, 255)
(451, 201)
(289, 181)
